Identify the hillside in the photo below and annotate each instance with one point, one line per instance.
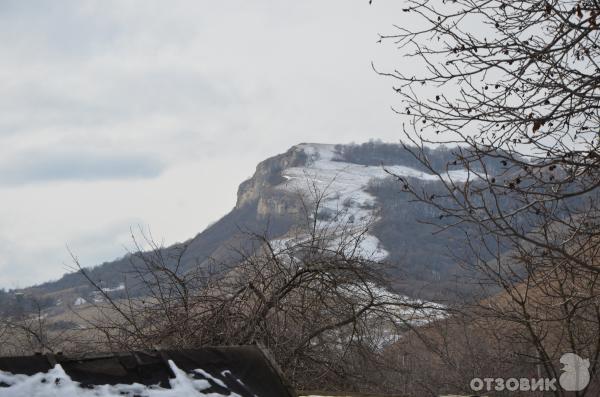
(355, 186)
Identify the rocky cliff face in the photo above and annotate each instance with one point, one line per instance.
(268, 174)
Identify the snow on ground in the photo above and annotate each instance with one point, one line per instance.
(403, 312)
(119, 287)
(80, 301)
(409, 310)
(345, 188)
(56, 383)
(344, 185)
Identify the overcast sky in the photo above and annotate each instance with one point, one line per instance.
(115, 114)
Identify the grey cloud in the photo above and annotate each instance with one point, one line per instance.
(36, 167)
(115, 98)
(213, 87)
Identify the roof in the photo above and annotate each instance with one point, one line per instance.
(244, 371)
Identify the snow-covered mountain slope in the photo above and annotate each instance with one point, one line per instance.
(344, 187)
(357, 190)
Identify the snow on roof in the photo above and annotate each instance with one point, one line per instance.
(56, 383)
(233, 371)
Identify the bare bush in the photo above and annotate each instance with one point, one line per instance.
(314, 298)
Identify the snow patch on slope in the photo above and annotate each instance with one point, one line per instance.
(80, 301)
(119, 287)
(345, 187)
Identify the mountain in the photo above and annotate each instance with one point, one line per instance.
(355, 182)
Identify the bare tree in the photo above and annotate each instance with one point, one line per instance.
(313, 297)
(516, 86)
